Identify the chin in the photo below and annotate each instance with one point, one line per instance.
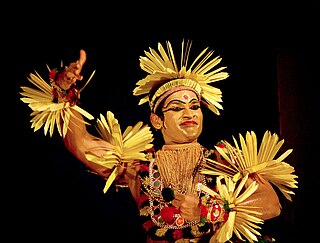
(191, 139)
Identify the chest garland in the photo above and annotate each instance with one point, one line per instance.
(171, 170)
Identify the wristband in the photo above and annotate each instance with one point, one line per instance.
(60, 95)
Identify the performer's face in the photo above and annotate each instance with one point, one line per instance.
(182, 118)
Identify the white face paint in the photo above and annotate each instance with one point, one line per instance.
(183, 118)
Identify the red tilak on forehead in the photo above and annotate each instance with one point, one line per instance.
(186, 97)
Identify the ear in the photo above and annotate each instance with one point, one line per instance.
(155, 121)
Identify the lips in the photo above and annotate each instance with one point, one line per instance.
(187, 123)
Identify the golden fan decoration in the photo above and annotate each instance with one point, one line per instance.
(128, 147)
(242, 219)
(248, 159)
(164, 73)
(47, 113)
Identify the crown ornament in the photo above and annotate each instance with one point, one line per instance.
(165, 76)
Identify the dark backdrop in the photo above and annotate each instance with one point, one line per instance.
(271, 50)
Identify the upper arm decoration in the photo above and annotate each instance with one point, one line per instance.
(246, 158)
(128, 147)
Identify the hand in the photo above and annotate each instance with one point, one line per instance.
(72, 73)
(189, 206)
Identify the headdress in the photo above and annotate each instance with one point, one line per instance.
(165, 75)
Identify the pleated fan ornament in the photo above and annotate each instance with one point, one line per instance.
(246, 158)
(129, 146)
(242, 220)
(48, 110)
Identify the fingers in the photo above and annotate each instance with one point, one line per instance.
(188, 206)
(185, 200)
(76, 67)
(83, 57)
(178, 200)
(72, 73)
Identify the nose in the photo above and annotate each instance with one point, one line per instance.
(188, 112)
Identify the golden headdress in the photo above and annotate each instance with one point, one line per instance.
(165, 76)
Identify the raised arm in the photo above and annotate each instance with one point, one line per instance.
(78, 140)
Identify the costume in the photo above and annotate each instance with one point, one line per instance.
(160, 218)
(217, 177)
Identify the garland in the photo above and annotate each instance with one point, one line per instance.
(162, 221)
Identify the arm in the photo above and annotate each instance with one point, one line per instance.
(78, 140)
(264, 197)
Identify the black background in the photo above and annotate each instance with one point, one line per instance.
(48, 194)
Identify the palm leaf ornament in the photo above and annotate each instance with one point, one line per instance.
(129, 146)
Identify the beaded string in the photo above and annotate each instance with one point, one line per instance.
(178, 166)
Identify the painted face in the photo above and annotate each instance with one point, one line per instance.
(183, 118)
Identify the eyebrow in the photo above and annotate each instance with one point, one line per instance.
(180, 101)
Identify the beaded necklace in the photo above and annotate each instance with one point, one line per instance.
(174, 176)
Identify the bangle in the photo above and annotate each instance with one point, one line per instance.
(212, 211)
(215, 212)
